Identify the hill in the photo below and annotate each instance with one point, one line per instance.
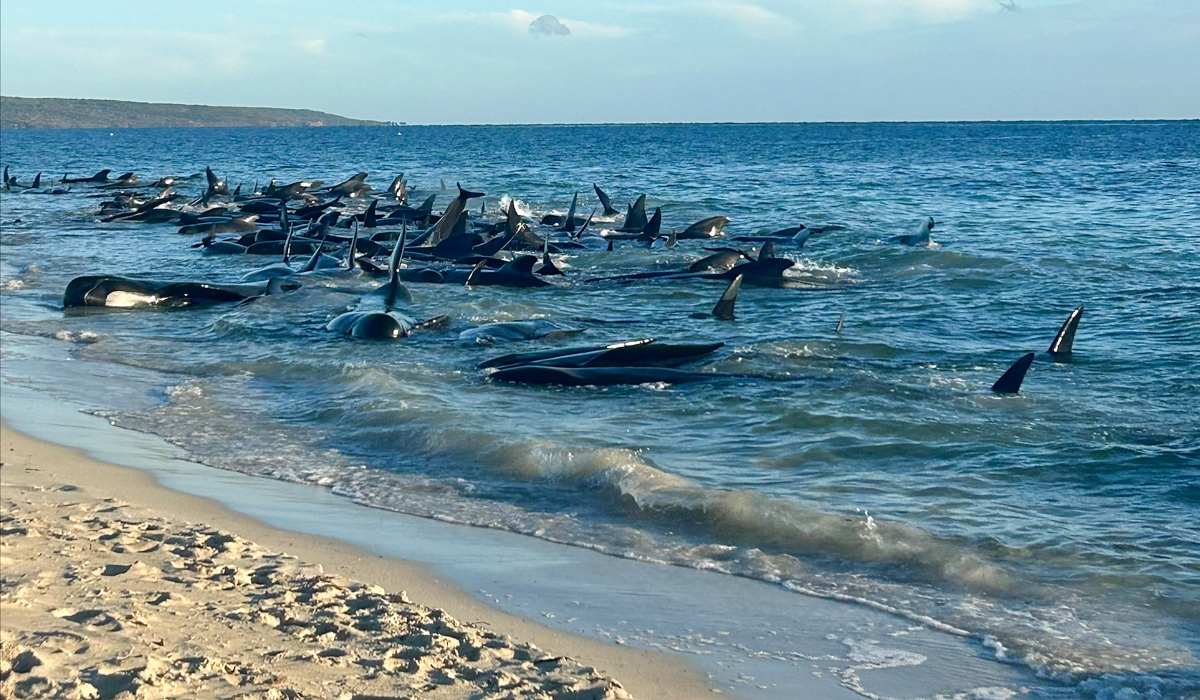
(57, 113)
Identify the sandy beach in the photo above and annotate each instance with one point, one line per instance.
(114, 585)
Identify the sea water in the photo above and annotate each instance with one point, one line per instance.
(1058, 527)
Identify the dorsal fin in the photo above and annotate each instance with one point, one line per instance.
(636, 218)
(548, 267)
(397, 255)
(724, 308)
(841, 320)
(1010, 381)
(612, 245)
(316, 256)
(654, 226)
(569, 224)
(287, 229)
(370, 220)
(1065, 339)
(353, 248)
(767, 251)
(427, 205)
(512, 218)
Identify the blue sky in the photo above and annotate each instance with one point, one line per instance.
(637, 61)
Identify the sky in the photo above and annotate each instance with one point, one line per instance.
(483, 62)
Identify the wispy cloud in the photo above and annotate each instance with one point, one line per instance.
(316, 47)
(873, 14)
(523, 22)
(749, 18)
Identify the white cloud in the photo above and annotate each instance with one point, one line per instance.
(548, 25)
(752, 19)
(521, 21)
(315, 47)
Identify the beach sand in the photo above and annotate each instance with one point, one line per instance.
(113, 584)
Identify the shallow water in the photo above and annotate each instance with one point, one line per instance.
(1059, 526)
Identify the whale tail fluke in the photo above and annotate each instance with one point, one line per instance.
(1010, 381)
(724, 308)
(1060, 348)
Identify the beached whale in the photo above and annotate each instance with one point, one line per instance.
(101, 176)
(510, 331)
(126, 292)
(646, 352)
(711, 227)
(514, 273)
(599, 376)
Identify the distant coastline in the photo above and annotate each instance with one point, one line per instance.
(62, 113)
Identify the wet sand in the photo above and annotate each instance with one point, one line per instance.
(112, 583)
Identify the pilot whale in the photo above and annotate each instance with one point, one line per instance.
(920, 238)
(126, 292)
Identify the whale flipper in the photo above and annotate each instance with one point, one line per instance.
(724, 308)
(1060, 349)
(1010, 381)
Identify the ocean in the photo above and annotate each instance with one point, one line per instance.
(1057, 527)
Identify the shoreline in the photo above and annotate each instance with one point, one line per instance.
(662, 631)
(33, 466)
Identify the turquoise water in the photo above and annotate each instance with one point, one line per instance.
(1058, 526)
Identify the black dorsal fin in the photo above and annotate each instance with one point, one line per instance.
(767, 251)
(370, 220)
(353, 247)
(316, 256)
(398, 255)
(287, 229)
(1065, 339)
(569, 224)
(1010, 381)
(654, 226)
(724, 308)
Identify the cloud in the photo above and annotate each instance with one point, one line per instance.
(877, 13)
(316, 47)
(549, 26)
(537, 24)
(751, 19)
